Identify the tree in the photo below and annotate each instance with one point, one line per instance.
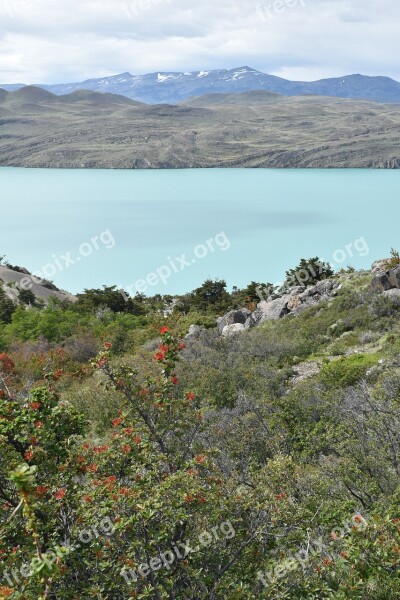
(27, 297)
(308, 272)
(211, 295)
(7, 307)
(109, 297)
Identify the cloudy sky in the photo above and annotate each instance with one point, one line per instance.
(50, 41)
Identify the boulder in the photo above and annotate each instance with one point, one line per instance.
(380, 282)
(194, 330)
(231, 318)
(233, 329)
(272, 310)
(394, 277)
(393, 294)
(380, 265)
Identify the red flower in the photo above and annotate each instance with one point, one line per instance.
(35, 405)
(28, 455)
(41, 490)
(87, 498)
(107, 345)
(200, 459)
(174, 380)
(164, 330)
(100, 449)
(34, 441)
(182, 345)
(6, 363)
(39, 424)
(137, 439)
(164, 348)
(126, 448)
(93, 468)
(128, 431)
(159, 356)
(117, 422)
(59, 494)
(190, 396)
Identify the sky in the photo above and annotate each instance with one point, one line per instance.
(55, 41)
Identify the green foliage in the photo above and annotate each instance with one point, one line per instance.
(27, 297)
(108, 466)
(348, 371)
(7, 307)
(308, 272)
(394, 260)
(109, 297)
(210, 295)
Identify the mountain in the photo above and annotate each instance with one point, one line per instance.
(175, 87)
(15, 279)
(249, 129)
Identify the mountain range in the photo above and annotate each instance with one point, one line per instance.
(175, 87)
(249, 129)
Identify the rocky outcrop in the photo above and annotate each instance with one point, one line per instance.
(194, 330)
(385, 280)
(13, 281)
(230, 330)
(393, 294)
(233, 317)
(293, 302)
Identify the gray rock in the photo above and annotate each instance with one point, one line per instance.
(232, 317)
(380, 265)
(324, 287)
(298, 289)
(233, 329)
(272, 311)
(393, 294)
(380, 282)
(394, 277)
(194, 330)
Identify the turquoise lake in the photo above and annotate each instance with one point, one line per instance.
(148, 230)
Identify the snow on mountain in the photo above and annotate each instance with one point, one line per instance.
(175, 87)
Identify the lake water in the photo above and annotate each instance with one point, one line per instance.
(167, 231)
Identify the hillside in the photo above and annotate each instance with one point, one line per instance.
(188, 460)
(251, 129)
(12, 281)
(175, 87)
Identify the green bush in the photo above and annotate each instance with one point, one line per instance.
(347, 371)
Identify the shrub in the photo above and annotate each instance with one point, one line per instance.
(347, 371)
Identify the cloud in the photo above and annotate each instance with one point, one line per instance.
(52, 41)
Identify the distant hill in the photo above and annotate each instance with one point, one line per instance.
(175, 87)
(13, 281)
(86, 129)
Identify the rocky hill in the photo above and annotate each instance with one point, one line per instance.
(251, 129)
(15, 279)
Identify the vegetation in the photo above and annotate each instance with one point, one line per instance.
(137, 465)
(216, 130)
